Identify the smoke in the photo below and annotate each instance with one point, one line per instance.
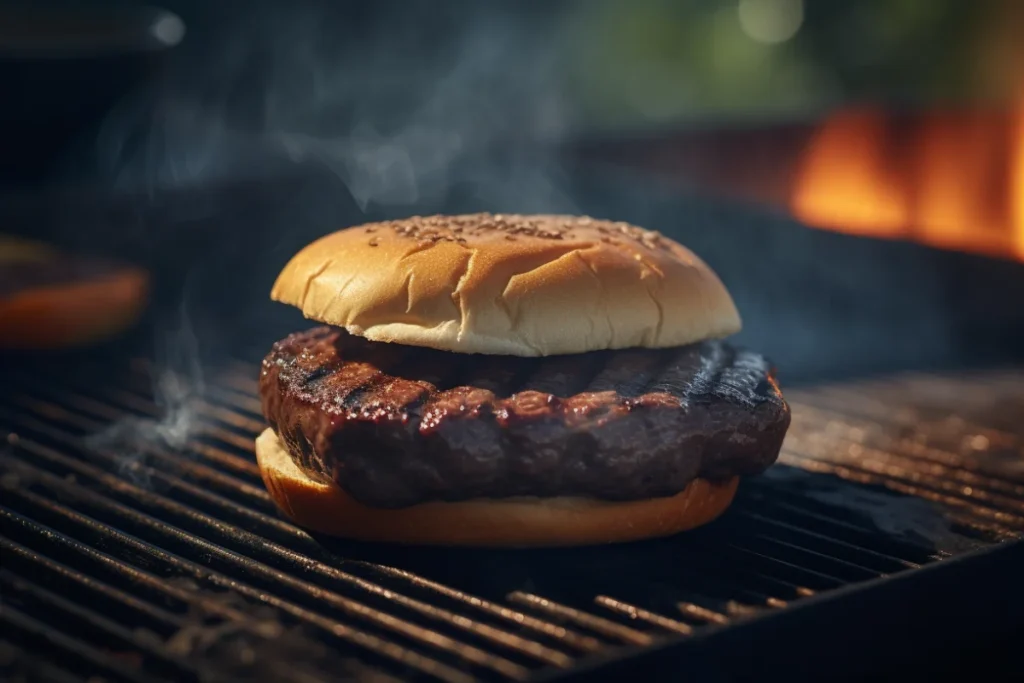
(178, 388)
(179, 385)
(400, 109)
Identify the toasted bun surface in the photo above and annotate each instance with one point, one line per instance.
(508, 284)
(66, 312)
(521, 522)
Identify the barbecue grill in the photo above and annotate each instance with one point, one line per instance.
(171, 563)
(136, 550)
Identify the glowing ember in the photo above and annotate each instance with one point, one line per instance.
(952, 180)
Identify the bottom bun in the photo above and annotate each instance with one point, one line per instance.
(74, 313)
(516, 522)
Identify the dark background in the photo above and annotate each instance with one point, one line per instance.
(212, 156)
(500, 71)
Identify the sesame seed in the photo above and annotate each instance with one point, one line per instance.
(464, 229)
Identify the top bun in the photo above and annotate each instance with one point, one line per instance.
(509, 284)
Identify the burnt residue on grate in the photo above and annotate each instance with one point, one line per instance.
(172, 564)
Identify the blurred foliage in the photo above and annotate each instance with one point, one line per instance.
(646, 61)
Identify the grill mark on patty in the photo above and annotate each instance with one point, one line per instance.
(405, 395)
(664, 361)
(388, 359)
(678, 374)
(609, 432)
(713, 368)
(356, 398)
(733, 376)
(317, 375)
(335, 389)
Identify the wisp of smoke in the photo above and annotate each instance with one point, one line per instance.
(178, 388)
(399, 113)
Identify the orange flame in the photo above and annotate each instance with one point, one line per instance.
(951, 180)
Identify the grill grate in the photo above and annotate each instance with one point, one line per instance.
(163, 558)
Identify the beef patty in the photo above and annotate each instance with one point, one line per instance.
(397, 425)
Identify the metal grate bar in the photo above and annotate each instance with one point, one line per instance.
(250, 425)
(703, 614)
(240, 400)
(584, 619)
(640, 614)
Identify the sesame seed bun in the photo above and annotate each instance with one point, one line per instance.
(510, 285)
(518, 522)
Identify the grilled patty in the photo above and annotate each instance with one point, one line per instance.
(397, 425)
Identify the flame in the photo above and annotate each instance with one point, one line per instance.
(953, 180)
(1017, 183)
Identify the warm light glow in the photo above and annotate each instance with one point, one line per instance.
(770, 21)
(951, 180)
(846, 181)
(1017, 181)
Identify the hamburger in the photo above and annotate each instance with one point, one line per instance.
(508, 380)
(52, 300)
